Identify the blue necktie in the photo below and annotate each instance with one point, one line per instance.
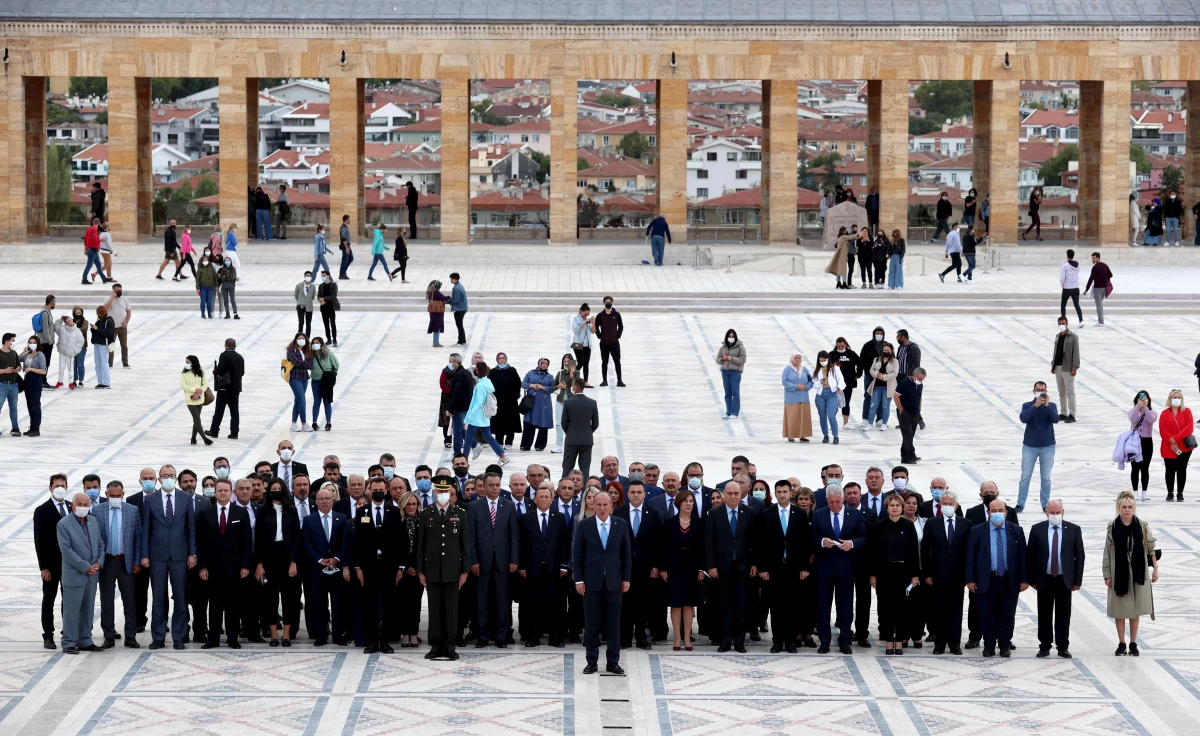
(637, 521)
(783, 519)
(837, 527)
(114, 532)
(1000, 567)
(325, 523)
(733, 523)
(604, 535)
(543, 525)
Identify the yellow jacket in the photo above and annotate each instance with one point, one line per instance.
(191, 383)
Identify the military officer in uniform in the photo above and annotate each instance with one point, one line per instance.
(442, 564)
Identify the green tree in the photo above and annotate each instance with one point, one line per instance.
(102, 118)
(206, 186)
(1035, 105)
(633, 144)
(543, 162)
(942, 100)
(829, 161)
(614, 100)
(921, 126)
(1051, 171)
(56, 114)
(59, 186)
(484, 116)
(169, 89)
(581, 163)
(1137, 154)
(804, 178)
(1172, 178)
(88, 87)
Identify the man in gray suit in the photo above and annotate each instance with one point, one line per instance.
(494, 547)
(580, 419)
(121, 528)
(82, 549)
(169, 550)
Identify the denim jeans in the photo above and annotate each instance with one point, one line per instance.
(457, 421)
(437, 339)
(347, 259)
(732, 380)
(207, 297)
(827, 408)
(80, 364)
(881, 406)
(378, 260)
(1045, 458)
(970, 265)
(101, 361)
(93, 259)
(8, 392)
(1172, 230)
(262, 220)
(657, 247)
(317, 401)
(320, 261)
(895, 271)
(486, 431)
(299, 389)
(968, 219)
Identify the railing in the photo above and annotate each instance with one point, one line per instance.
(740, 234)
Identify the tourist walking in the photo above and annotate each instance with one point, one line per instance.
(437, 311)
(327, 297)
(458, 305)
(583, 325)
(400, 255)
(324, 376)
(1129, 547)
(296, 370)
(968, 251)
(196, 394)
(479, 414)
(91, 250)
(1176, 427)
(185, 251)
(731, 356)
(660, 234)
(943, 211)
(847, 360)
(106, 251)
(1101, 278)
(879, 384)
(954, 253)
(909, 399)
(304, 293)
(170, 251)
(207, 281)
(227, 278)
(378, 247)
(540, 420)
(320, 249)
(345, 246)
(1141, 419)
(797, 413)
(104, 336)
(231, 252)
(1068, 278)
(896, 261)
(1035, 218)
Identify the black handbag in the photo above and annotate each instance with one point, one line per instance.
(527, 402)
(1190, 442)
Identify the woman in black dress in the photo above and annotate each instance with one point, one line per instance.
(277, 546)
(895, 566)
(683, 541)
(807, 592)
(507, 382)
(409, 591)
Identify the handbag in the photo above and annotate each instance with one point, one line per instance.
(1190, 442)
(1108, 289)
(208, 396)
(285, 369)
(527, 403)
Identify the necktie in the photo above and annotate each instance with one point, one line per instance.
(637, 520)
(604, 535)
(303, 509)
(493, 512)
(170, 512)
(424, 500)
(875, 505)
(950, 532)
(114, 533)
(733, 523)
(1054, 554)
(783, 520)
(1000, 567)
(61, 510)
(378, 516)
(285, 472)
(520, 508)
(222, 521)
(837, 527)
(325, 522)
(543, 525)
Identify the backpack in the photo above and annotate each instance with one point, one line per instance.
(38, 324)
(490, 406)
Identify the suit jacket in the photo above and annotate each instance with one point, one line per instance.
(372, 547)
(200, 502)
(442, 555)
(493, 548)
(230, 365)
(1071, 554)
(945, 562)
(45, 536)
(580, 418)
(530, 506)
(297, 469)
(978, 515)
(724, 548)
(312, 535)
(131, 531)
(79, 550)
(755, 504)
(832, 562)
(163, 542)
(979, 556)
(598, 566)
(344, 506)
(647, 543)
(224, 554)
(544, 554)
(265, 537)
(927, 510)
(772, 542)
(569, 519)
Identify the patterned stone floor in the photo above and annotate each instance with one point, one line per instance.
(980, 370)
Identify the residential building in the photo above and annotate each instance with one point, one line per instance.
(300, 91)
(181, 128)
(611, 172)
(499, 166)
(424, 170)
(1055, 125)
(381, 119)
(610, 136)
(287, 165)
(534, 133)
(722, 165)
(92, 162)
(76, 134)
(306, 127)
(951, 140)
(191, 168)
(1161, 132)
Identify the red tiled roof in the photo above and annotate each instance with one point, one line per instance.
(164, 114)
(530, 201)
(205, 163)
(752, 198)
(1047, 118)
(614, 165)
(645, 127)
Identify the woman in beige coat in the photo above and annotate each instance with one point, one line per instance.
(838, 264)
(880, 386)
(1128, 551)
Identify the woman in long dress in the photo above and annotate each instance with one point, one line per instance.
(797, 412)
(1128, 551)
(684, 546)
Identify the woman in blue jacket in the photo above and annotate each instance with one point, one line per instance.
(378, 247)
(478, 419)
(538, 382)
(797, 414)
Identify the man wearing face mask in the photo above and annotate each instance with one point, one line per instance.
(988, 492)
(442, 564)
(1172, 213)
(461, 467)
(376, 562)
(997, 574)
(147, 482)
(1056, 560)
(1063, 366)
(899, 482)
(424, 486)
(871, 350)
(45, 541)
(1039, 417)
(304, 293)
(169, 550)
(609, 328)
(197, 589)
(287, 468)
(82, 549)
(932, 509)
(91, 486)
(829, 474)
(943, 563)
(121, 527)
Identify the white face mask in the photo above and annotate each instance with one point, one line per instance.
(301, 343)
(948, 510)
(115, 501)
(879, 338)
(1176, 401)
(900, 483)
(59, 493)
(168, 484)
(82, 511)
(33, 346)
(1062, 328)
(1055, 519)
(285, 455)
(443, 499)
(824, 362)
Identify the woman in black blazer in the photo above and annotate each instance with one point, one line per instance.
(410, 590)
(276, 547)
(895, 567)
(807, 591)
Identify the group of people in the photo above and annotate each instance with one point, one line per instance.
(1161, 222)
(612, 555)
(880, 259)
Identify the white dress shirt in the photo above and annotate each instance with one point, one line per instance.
(278, 521)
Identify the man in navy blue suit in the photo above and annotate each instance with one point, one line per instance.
(567, 504)
(943, 561)
(837, 531)
(169, 550)
(322, 534)
(996, 573)
(729, 553)
(602, 560)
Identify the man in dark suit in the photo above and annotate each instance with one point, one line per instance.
(356, 487)
(737, 466)
(580, 419)
(783, 553)
(376, 560)
(322, 534)
(442, 564)
(610, 472)
(169, 550)
(837, 531)
(1056, 558)
(45, 542)
(121, 527)
(852, 499)
(287, 468)
(977, 515)
(943, 560)
(997, 573)
(227, 379)
(494, 546)
(545, 558)
(305, 505)
(729, 555)
(645, 529)
(829, 474)
(602, 561)
(520, 493)
(223, 549)
(567, 505)
(932, 509)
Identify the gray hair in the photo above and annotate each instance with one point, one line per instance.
(918, 372)
(652, 466)
(834, 490)
(75, 498)
(455, 358)
(950, 495)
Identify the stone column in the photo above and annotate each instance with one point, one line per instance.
(564, 125)
(346, 155)
(996, 155)
(779, 194)
(1104, 139)
(238, 105)
(13, 227)
(130, 196)
(1191, 166)
(672, 156)
(887, 150)
(35, 157)
(456, 142)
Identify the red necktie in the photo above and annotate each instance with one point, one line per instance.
(222, 521)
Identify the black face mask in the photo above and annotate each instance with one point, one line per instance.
(378, 496)
(608, 305)
(276, 495)
(987, 500)
(461, 472)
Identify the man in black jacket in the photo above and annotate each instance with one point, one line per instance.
(609, 328)
(645, 530)
(97, 202)
(410, 203)
(1172, 213)
(988, 490)
(729, 553)
(1055, 557)
(45, 543)
(943, 560)
(870, 351)
(943, 212)
(227, 378)
(170, 252)
(376, 561)
(223, 554)
(783, 551)
(545, 557)
(462, 384)
(908, 353)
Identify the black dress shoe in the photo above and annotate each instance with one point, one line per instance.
(939, 648)
(740, 649)
(754, 636)
(433, 653)
(776, 648)
(615, 669)
(386, 648)
(132, 643)
(823, 649)
(92, 648)
(274, 642)
(791, 648)
(810, 643)
(1064, 653)
(70, 650)
(207, 645)
(1133, 649)
(1042, 653)
(556, 643)
(956, 650)
(108, 644)
(452, 656)
(530, 643)
(370, 649)
(481, 643)
(846, 649)
(590, 669)
(157, 645)
(971, 644)
(863, 643)
(502, 644)
(286, 642)
(341, 642)
(231, 644)
(1005, 652)
(320, 641)
(989, 651)
(723, 648)
(643, 645)
(256, 639)
(49, 644)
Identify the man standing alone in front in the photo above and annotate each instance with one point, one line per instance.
(1039, 417)
(609, 328)
(908, 398)
(458, 305)
(1101, 278)
(602, 560)
(442, 564)
(1063, 366)
(411, 200)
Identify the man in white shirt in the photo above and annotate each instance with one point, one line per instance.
(252, 619)
(119, 309)
(873, 499)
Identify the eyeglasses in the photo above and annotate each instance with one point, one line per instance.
(169, 475)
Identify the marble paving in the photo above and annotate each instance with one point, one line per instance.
(980, 370)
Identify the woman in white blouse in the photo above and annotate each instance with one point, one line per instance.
(829, 383)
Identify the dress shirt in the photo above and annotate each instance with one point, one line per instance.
(1054, 551)
(838, 520)
(875, 503)
(169, 496)
(564, 508)
(301, 507)
(950, 523)
(285, 472)
(602, 528)
(635, 517)
(783, 522)
(426, 499)
(377, 514)
(996, 533)
(278, 522)
(62, 508)
(114, 532)
(520, 506)
(491, 507)
(253, 520)
(327, 525)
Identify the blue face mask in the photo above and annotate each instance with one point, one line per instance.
(936, 493)
(148, 486)
(760, 495)
(450, 366)
(389, 472)
(424, 484)
(93, 494)
(997, 518)
(222, 472)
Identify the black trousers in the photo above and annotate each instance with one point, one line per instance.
(1073, 295)
(908, 429)
(848, 391)
(225, 597)
(806, 603)
(974, 628)
(947, 603)
(303, 321)
(518, 592)
(732, 591)
(329, 320)
(1054, 613)
(544, 609)
(443, 615)
(828, 590)
(571, 625)
(866, 268)
(880, 272)
(186, 260)
(302, 585)
(50, 590)
(898, 613)
(400, 269)
(605, 351)
(782, 591)
(408, 605)
(326, 595)
(1141, 471)
(955, 265)
(583, 359)
(467, 603)
(635, 610)
(1176, 468)
(606, 603)
(493, 612)
(997, 611)
(862, 603)
(226, 399)
(197, 598)
(376, 601)
(458, 322)
(849, 268)
(249, 609)
(582, 453)
(280, 590)
(412, 223)
(532, 436)
(141, 593)
(660, 614)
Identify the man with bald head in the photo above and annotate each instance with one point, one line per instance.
(932, 509)
(356, 486)
(147, 482)
(997, 574)
(1056, 559)
(978, 514)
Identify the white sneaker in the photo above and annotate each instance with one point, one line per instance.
(882, 427)
(1081, 325)
(306, 427)
(878, 423)
(864, 424)
(557, 449)
(507, 448)
(1145, 495)
(294, 428)
(477, 451)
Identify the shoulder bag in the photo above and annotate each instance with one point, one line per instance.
(527, 403)
(285, 369)
(208, 396)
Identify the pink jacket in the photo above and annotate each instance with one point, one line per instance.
(185, 243)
